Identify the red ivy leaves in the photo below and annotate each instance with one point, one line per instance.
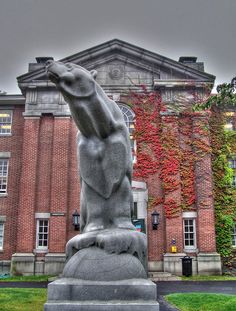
(146, 107)
(160, 148)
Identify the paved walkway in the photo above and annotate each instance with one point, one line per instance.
(24, 284)
(163, 288)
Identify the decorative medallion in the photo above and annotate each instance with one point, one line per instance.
(116, 72)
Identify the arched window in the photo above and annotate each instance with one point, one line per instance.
(128, 115)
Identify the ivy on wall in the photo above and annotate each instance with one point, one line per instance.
(165, 146)
(187, 163)
(223, 148)
(147, 107)
(160, 151)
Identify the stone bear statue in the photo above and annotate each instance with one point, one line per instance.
(105, 164)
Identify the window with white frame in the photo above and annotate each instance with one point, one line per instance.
(42, 233)
(234, 236)
(128, 115)
(3, 175)
(189, 233)
(229, 121)
(232, 162)
(1, 235)
(234, 181)
(5, 122)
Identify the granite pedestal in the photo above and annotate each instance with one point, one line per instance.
(68, 294)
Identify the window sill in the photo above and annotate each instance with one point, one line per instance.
(40, 251)
(190, 250)
(5, 135)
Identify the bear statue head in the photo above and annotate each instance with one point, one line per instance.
(72, 80)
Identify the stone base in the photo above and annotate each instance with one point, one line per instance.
(5, 266)
(102, 306)
(155, 266)
(209, 264)
(69, 294)
(23, 264)
(173, 263)
(54, 263)
(27, 264)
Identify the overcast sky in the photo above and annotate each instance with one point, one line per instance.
(59, 28)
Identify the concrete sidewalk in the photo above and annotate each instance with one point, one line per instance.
(24, 284)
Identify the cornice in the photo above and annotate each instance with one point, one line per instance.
(130, 52)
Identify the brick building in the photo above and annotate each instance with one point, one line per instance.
(39, 184)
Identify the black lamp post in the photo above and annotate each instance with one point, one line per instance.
(76, 220)
(155, 220)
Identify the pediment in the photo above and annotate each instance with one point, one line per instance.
(121, 63)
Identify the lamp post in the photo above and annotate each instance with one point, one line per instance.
(155, 220)
(76, 220)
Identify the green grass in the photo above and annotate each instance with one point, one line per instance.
(22, 299)
(30, 278)
(202, 302)
(209, 278)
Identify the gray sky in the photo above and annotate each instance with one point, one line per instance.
(59, 28)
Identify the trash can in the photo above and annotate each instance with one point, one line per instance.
(186, 266)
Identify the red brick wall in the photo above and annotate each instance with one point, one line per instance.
(156, 238)
(173, 225)
(204, 191)
(28, 183)
(44, 164)
(73, 183)
(159, 241)
(9, 204)
(59, 184)
(49, 181)
(45, 149)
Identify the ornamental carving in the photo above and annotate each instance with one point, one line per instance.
(116, 72)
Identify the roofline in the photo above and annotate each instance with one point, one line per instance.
(12, 99)
(117, 44)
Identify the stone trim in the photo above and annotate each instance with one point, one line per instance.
(42, 215)
(3, 218)
(5, 154)
(189, 215)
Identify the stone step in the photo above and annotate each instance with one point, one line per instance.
(159, 274)
(163, 276)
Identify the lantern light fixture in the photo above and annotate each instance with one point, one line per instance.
(155, 220)
(76, 220)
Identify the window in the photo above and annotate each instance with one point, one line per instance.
(5, 122)
(1, 235)
(234, 236)
(129, 121)
(3, 175)
(232, 163)
(189, 234)
(234, 181)
(42, 234)
(229, 121)
(135, 211)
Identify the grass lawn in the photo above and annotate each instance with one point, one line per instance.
(22, 299)
(30, 278)
(209, 278)
(202, 302)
